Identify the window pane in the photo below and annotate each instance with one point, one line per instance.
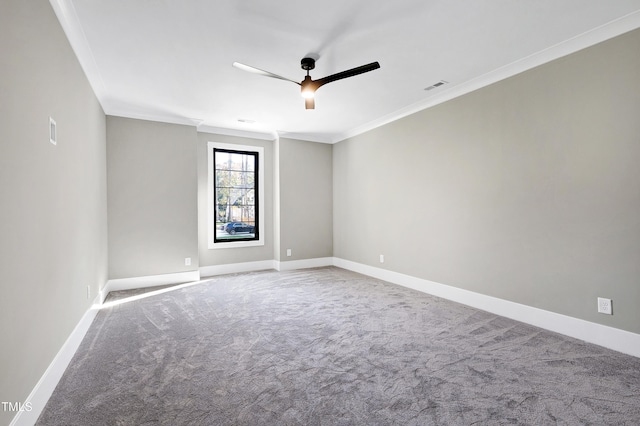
(234, 161)
(251, 197)
(234, 179)
(235, 201)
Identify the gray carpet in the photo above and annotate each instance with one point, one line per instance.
(330, 347)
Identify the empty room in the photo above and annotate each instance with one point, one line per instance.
(302, 213)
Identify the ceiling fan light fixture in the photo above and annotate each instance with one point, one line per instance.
(309, 103)
(307, 88)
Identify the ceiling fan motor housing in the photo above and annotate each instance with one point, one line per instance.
(308, 64)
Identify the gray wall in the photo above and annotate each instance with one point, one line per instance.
(527, 190)
(306, 200)
(240, 254)
(53, 216)
(152, 180)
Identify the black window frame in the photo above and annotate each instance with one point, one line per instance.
(256, 191)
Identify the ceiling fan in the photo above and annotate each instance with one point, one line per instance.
(309, 86)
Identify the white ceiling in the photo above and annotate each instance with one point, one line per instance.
(171, 60)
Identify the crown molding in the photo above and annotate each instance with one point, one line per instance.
(160, 118)
(262, 135)
(70, 23)
(590, 38)
(68, 18)
(309, 137)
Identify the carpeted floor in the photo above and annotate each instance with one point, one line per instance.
(330, 347)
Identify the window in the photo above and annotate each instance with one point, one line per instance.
(235, 194)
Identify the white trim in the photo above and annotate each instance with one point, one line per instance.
(148, 281)
(211, 245)
(590, 38)
(141, 114)
(236, 244)
(232, 268)
(309, 137)
(261, 135)
(609, 337)
(68, 18)
(52, 375)
(276, 198)
(303, 263)
(70, 23)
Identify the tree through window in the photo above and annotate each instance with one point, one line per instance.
(236, 196)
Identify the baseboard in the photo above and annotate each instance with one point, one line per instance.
(609, 337)
(148, 281)
(46, 385)
(303, 263)
(52, 375)
(233, 268)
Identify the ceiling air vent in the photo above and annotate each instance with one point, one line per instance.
(435, 86)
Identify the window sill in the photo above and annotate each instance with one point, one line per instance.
(235, 244)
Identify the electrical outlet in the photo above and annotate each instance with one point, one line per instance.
(187, 261)
(604, 306)
(288, 252)
(382, 258)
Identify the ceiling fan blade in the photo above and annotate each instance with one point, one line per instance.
(258, 71)
(309, 103)
(348, 73)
